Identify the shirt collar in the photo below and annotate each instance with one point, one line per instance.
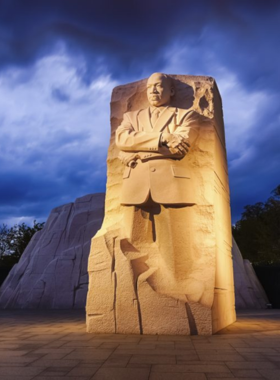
(160, 109)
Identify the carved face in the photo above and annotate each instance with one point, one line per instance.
(159, 90)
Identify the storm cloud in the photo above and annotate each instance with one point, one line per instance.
(61, 59)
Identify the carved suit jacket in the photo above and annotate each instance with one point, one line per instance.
(164, 176)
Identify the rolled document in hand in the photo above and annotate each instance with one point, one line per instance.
(132, 164)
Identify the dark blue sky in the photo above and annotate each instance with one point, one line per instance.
(60, 59)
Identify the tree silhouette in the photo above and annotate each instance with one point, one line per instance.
(257, 233)
(14, 240)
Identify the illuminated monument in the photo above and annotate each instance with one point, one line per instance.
(161, 263)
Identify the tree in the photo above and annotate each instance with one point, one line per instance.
(14, 240)
(257, 233)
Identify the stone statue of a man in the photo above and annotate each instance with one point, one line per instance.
(153, 143)
(161, 262)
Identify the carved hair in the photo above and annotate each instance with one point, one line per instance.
(170, 80)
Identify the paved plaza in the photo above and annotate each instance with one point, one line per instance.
(53, 345)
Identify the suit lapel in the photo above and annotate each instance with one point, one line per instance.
(164, 118)
(145, 121)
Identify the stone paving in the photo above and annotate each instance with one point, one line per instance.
(53, 345)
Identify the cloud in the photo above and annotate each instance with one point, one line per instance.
(55, 133)
(129, 36)
(59, 63)
(252, 121)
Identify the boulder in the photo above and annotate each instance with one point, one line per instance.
(249, 293)
(52, 272)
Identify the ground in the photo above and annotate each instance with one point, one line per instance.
(53, 345)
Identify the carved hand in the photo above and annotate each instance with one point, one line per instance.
(176, 143)
(129, 159)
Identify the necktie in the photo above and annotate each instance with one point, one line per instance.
(154, 116)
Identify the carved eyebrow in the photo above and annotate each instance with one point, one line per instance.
(154, 84)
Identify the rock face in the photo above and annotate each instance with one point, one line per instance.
(130, 270)
(249, 293)
(52, 272)
(86, 214)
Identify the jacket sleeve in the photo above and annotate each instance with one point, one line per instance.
(188, 126)
(129, 139)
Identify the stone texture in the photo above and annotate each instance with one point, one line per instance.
(127, 276)
(52, 272)
(33, 335)
(249, 293)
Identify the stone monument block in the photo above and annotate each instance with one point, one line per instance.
(161, 262)
(249, 293)
(26, 288)
(52, 272)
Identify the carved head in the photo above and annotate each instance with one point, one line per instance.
(160, 89)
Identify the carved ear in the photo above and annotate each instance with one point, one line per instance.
(172, 91)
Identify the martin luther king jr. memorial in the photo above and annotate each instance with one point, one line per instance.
(161, 262)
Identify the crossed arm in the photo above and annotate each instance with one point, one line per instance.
(135, 144)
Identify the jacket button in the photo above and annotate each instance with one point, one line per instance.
(153, 169)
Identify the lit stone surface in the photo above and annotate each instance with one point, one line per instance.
(249, 293)
(181, 281)
(52, 272)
